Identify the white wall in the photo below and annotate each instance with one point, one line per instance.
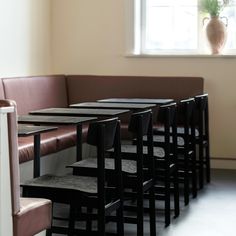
(89, 38)
(25, 41)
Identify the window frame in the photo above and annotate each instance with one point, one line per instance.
(134, 40)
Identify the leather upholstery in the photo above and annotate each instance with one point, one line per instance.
(83, 88)
(13, 155)
(32, 93)
(33, 217)
(51, 142)
(30, 216)
(90, 87)
(2, 94)
(26, 146)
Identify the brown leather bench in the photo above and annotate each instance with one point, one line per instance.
(30, 215)
(31, 93)
(36, 92)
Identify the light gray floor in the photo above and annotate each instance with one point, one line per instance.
(213, 213)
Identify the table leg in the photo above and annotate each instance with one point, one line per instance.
(36, 155)
(79, 143)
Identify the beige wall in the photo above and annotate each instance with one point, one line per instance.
(25, 37)
(89, 38)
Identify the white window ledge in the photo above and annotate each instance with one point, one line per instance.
(180, 55)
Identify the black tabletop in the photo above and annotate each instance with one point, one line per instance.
(56, 120)
(78, 112)
(27, 130)
(138, 100)
(130, 106)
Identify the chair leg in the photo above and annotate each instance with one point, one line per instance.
(120, 221)
(48, 232)
(167, 199)
(194, 176)
(152, 212)
(176, 194)
(72, 220)
(101, 221)
(208, 165)
(186, 181)
(201, 172)
(89, 222)
(140, 211)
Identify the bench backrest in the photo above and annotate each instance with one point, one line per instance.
(36, 92)
(13, 155)
(90, 87)
(2, 94)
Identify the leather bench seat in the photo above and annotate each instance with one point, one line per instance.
(26, 221)
(51, 142)
(26, 146)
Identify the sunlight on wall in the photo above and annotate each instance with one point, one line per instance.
(89, 38)
(25, 37)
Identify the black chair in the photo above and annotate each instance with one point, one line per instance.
(167, 165)
(137, 179)
(86, 191)
(186, 146)
(202, 138)
(165, 156)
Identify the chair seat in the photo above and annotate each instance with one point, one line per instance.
(161, 139)
(34, 216)
(79, 183)
(158, 151)
(128, 166)
(180, 130)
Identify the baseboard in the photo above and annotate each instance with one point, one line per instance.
(223, 163)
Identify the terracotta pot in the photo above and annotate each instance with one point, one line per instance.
(216, 31)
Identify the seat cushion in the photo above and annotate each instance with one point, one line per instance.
(66, 136)
(180, 130)
(161, 139)
(26, 146)
(158, 151)
(34, 216)
(51, 142)
(71, 182)
(128, 166)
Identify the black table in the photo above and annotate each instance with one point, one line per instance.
(137, 100)
(26, 130)
(107, 105)
(79, 112)
(60, 120)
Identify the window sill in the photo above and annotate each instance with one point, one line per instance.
(130, 55)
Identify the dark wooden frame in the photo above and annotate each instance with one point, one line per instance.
(97, 136)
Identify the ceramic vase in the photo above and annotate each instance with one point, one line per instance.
(216, 32)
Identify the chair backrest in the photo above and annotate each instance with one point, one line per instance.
(13, 155)
(134, 125)
(108, 127)
(105, 134)
(186, 112)
(167, 116)
(202, 115)
(140, 125)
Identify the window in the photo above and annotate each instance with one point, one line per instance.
(176, 27)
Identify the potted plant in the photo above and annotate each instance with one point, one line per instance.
(213, 7)
(216, 29)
